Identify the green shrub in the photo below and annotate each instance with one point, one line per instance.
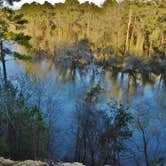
(3, 148)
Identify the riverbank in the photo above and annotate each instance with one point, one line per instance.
(8, 162)
(81, 54)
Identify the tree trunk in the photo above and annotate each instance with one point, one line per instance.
(144, 143)
(150, 48)
(84, 149)
(77, 147)
(3, 62)
(88, 27)
(131, 35)
(128, 33)
(145, 148)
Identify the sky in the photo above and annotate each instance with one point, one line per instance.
(19, 4)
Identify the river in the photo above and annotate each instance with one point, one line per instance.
(64, 86)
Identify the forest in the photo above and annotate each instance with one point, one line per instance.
(130, 33)
(85, 84)
(135, 27)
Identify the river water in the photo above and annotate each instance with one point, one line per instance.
(64, 86)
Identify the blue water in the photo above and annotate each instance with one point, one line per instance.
(58, 90)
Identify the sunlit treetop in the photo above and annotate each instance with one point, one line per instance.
(72, 2)
(108, 3)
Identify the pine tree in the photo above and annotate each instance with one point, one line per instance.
(9, 21)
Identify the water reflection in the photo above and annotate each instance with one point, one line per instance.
(123, 86)
(145, 96)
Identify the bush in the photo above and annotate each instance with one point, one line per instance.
(23, 126)
(3, 148)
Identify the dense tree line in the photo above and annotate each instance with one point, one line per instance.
(137, 27)
(129, 35)
(85, 33)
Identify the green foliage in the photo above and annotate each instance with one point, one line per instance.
(22, 56)
(136, 27)
(18, 19)
(159, 162)
(72, 2)
(31, 130)
(3, 148)
(24, 126)
(108, 3)
(23, 21)
(101, 133)
(8, 21)
(20, 38)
